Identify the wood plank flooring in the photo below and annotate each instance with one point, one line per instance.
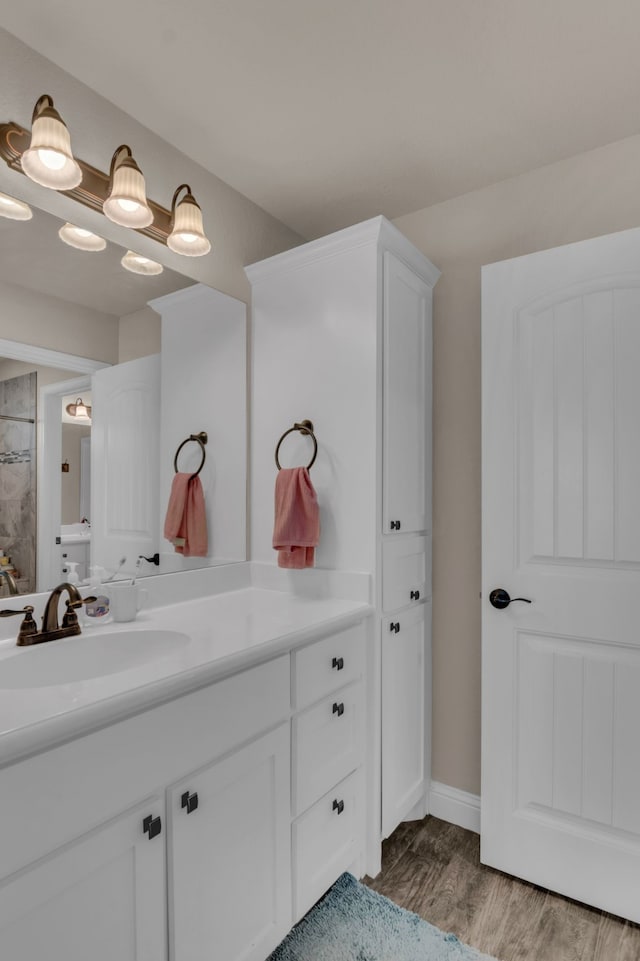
(433, 868)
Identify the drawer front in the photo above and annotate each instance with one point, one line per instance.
(327, 744)
(406, 571)
(326, 841)
(327, 665)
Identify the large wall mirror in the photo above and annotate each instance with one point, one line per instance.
(87, 446)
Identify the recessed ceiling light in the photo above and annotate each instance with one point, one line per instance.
(14, 209)
(138, 264)
(80, 238)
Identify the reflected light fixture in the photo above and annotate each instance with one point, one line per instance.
(79, 409)
(80, 238)
(187, 236)
(14, 209)
(49, 160)
(127, 201)
(138, 264)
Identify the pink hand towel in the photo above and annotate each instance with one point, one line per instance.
(296, 531)
(186, 521)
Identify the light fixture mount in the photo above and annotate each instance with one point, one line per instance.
(94, 187)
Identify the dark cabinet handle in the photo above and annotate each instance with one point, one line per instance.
(394, 627)
(338, 709)
(152, 826)
(415, 595)
(189, 801)
(395, 525)
(338, 806)
(338, 663)
(500, 599)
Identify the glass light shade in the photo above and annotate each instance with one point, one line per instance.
(79, 410)
(49, 160)
(188, 236)
(80, 238)
(14, 209)
(138, 264)
(127, 201)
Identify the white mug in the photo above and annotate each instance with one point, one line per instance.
(126, 600)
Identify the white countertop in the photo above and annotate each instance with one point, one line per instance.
(227, 632)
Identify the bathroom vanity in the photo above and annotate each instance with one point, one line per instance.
(201, 798)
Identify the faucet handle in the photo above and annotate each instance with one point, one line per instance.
(28, 628)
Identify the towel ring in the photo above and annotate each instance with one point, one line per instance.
(200, 439)
(305, 427)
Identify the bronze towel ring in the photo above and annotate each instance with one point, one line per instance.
(200, 439)
(305, 427)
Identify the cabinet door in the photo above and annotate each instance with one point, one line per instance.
(101, 897)
(229, 855)
(406, 400)
(403, 714)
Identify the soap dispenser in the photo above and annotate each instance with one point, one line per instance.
(72, 572)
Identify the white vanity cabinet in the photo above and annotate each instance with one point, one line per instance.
(167, 836)
(342, 336)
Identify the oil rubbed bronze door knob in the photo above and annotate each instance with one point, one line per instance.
(500, 599)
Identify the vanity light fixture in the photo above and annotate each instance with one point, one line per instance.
(49, 160)
(138, 264)
(127, 201)
(79, 409)
(80, 238)
(14, 209)
(187, 236)
(44, 154)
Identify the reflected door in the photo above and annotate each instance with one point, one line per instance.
(125, 462)
(561, 527)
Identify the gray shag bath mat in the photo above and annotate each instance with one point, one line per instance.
(353, 923)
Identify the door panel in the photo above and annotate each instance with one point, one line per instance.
(561, 526)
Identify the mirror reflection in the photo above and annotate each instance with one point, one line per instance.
(103, 373)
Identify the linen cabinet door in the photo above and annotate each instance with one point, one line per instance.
(403, 714)
(406, 399)
(102, 897)
(230, 855)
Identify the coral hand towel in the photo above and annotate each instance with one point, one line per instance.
(186, 521)
(296, 531)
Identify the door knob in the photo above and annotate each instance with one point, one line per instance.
(500, 599)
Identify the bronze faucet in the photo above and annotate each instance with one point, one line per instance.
(11, 581)
(51, 630)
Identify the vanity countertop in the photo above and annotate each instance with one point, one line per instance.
(226, 633)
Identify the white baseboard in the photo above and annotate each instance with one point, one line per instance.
(454, 806)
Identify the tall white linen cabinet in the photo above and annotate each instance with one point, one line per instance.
(342, 336)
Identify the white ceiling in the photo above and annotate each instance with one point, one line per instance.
(326, 112)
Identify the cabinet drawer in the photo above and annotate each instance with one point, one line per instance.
(327, 665)
(326, 841)
(327, 744)
(406, 571)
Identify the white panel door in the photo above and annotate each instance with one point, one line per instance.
(102, 897)
(561, 527)
(406, 399)
(229, 855)
(125, 464)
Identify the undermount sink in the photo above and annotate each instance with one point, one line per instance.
(87, 657)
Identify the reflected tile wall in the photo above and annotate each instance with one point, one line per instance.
(18, 478)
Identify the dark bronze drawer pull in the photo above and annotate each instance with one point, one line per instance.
(394, 627)
(415, 595)
(152, 826)
(189, 801)
(395, 525)
(338, 663)
(338, 806)
(338, 709)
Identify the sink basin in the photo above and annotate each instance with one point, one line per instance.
(86, 657)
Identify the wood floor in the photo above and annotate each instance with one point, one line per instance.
(433, 868)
